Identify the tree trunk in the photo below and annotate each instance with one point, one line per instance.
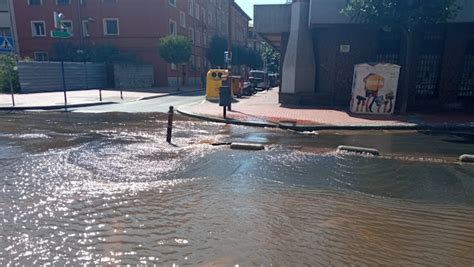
(407, 70)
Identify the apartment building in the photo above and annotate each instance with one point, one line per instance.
(133, 26)
(6, 27)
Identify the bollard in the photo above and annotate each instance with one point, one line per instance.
(170, 124)
(225, 98)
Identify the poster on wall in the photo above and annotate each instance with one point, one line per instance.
(374, 88)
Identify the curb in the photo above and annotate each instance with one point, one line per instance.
(322, 127)
(167, 94)
(229, 121)
(56, 107)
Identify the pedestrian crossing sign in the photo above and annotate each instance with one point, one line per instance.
(6, 44)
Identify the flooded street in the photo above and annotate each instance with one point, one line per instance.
(112, 191)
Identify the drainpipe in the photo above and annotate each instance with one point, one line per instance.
(11, 11)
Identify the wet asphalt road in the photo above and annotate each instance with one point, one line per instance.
(106, 189)
(160, 104)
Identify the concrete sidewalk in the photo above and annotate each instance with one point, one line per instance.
(263, 109)
(55, 100)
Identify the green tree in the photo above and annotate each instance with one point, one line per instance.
(175, 50)
(254, 60)
(271, 57)
(406, 16)
(8, 73)
(239, 55)
(215, 52)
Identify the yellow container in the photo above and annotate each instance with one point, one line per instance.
(214, 82)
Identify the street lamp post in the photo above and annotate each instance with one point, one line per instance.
(60, 33)
(229, 49)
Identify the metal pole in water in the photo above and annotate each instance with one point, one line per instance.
(170, 124)
(63, 74)
(225, 112)
(64, 85)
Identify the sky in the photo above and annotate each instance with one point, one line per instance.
(247, 5)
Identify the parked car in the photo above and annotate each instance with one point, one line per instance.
(259, 80)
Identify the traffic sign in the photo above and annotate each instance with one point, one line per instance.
(7, 45)
(60, 34)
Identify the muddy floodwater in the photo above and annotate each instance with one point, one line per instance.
(93, 189)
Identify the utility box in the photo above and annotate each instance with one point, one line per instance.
(374, 88)
(225, 96)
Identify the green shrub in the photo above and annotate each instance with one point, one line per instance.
(8, 70)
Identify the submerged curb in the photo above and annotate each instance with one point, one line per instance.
(56, 107)
(168, 94)
(229, 121)
(247, 146)
(360, 150)
(306, 128)
(466, 158)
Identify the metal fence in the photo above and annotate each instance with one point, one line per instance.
(133, 76)
(46, 76)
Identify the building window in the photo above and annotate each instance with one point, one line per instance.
(191, 35)
(198, 37)
(182, 19)
(83, 2)
(172, 28)
(35, 2)
(191, 7)
(172, 2)
(109, 1)
(5, 31)
(111, 27)
(38, 28)
(209, 18)
(173, 66)
(428, 65)
(192, 61)
(198, 63)
(204, 39)
(467, 78)
(68, 26)
(85, 28)
(389, 47)
(203, 14)
(196, 10)
(41, 56)
(63, 2)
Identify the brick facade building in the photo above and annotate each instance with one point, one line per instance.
(320, 47)
(133, 26)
